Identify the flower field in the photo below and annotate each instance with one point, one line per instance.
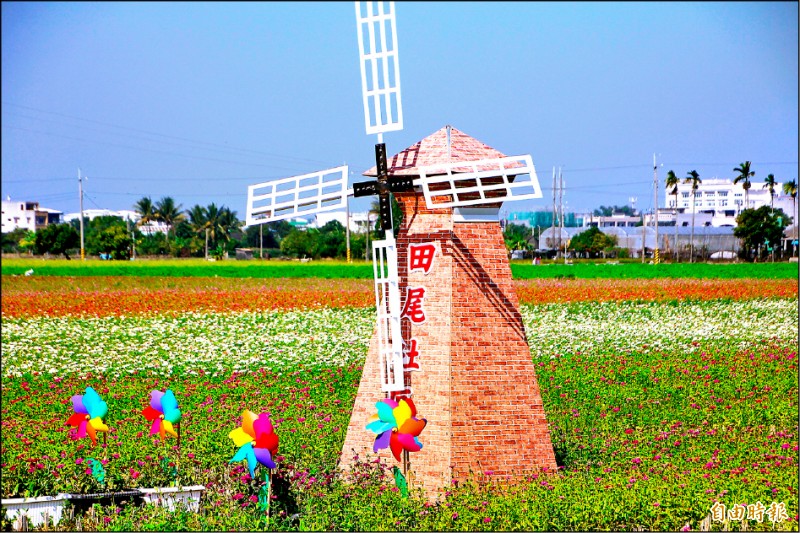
(130, 295)
(663, 397)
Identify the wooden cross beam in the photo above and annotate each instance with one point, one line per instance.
(382, 186)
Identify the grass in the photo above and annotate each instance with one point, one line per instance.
(363, 270)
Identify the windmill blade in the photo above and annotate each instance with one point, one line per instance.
(486, 181)
(380, 69)
(307, 194)
(387, 301)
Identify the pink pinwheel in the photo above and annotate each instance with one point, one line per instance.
(163, 411)
(257, 441)
(396, 426)
(89, 412)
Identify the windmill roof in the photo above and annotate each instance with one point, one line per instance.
(433, 150)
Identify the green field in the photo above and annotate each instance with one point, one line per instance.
(363, 270)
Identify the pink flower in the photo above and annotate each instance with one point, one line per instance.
(79, 460)
(455, 515)
(238, 496)
(636, 460)
(487, 520)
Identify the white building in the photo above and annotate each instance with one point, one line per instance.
(717, 202)
(91, 214)
(358, 221)
(28, 215)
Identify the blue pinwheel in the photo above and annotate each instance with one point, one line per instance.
(89, 412)
(163, 411)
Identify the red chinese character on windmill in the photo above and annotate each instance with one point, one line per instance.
(420, 257)
(410, 355)
(412, 309)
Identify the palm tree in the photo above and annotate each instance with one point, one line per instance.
(790, 188)
(744, 176)
(168, 212)
(198, 221)
(146, 210)
(672, 181)
(694, 178)
(769, 182)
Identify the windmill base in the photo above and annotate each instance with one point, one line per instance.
(476, 384)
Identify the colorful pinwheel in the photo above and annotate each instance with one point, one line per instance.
(89, 412)
(396, 426)
(163, 411)
(257, 441)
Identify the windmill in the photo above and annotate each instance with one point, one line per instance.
(458, 184)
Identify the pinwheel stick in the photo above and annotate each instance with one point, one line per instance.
(405, 464)
(268, 479)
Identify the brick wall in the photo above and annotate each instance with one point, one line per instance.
(476, 385)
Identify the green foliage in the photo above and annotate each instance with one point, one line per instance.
(113, 240)
(153, 245)
(301, 243)
(760, 227)
(19, 240)
(592, 242)
(56, 239)
(516, 236)
(607, 211)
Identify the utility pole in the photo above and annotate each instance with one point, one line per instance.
(347, 228)
(561, 196)
(206, 244)
(261, 239)
(655, 203)
(553, 229)
(643, 236)
(80, 200)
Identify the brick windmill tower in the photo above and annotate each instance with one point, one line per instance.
(467, 362)
(449, 335)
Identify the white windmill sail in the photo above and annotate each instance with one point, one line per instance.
(383, 111)
(307, 194)
(473, 183)
(380, 69)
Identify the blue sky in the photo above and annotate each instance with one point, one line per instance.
(198, 100)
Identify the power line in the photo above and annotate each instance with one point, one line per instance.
(207, 143)
(149, 149)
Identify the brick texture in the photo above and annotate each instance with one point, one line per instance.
(476, 385)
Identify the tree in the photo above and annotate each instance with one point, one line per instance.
(607, 211)
(168, 212)
(769, 183)
(146, 211)
(101, 234)
(300, 243)
(331, 240)
(672, 182)
(114, 241)
(760, 226)
(744, 176)
(56, 239)
(694, 179)
(790, 188)
(516, 236)
(592, 242)
(18, 240)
